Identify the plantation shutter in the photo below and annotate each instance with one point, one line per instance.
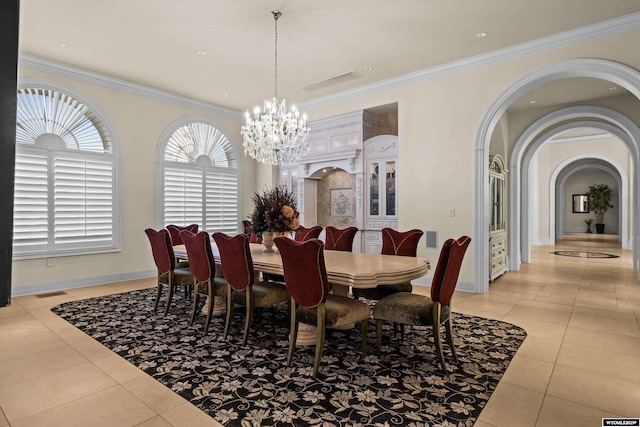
(221, 202)
(83, 189)
(183, 198)
(31, 200)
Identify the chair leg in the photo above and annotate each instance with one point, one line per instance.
(229, 313)
(170, 293)
(293, 331)
(436, 334)
(210, 302)
(196, 303)
(248, 313)
(449, 327)
(155, 306)
(378, 335)
(320, 325)
(364, 327)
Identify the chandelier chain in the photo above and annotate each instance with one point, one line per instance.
(276, 15)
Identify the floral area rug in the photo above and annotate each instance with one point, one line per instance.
(252, 386)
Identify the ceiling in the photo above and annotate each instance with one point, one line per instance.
(222, 52)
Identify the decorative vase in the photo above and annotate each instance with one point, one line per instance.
(267, 241)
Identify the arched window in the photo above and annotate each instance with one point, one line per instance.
(65, 192)
(199, 175)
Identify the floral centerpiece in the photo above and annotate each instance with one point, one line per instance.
(274, 212)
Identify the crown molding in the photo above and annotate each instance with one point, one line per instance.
(587, 33)
(64, 70)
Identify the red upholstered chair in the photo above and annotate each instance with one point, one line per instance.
(393, 243)
(168, 274)
(339, 240)
(305, 275)
(304, 234)
(203, 267)
(248, 230)
(237, 267)
(174, 231)
(420, 310)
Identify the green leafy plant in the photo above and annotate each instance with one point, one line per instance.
(274, 210)
(599, 198)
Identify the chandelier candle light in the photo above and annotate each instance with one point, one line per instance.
(275, 135)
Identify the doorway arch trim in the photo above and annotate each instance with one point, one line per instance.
(614, 72)
(530, 142)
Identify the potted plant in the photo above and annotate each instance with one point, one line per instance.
(274, 213)
(599, 199)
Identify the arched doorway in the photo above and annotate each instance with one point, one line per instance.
(619, 74)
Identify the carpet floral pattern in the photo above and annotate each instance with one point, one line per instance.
(252, 386)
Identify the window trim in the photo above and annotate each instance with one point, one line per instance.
(161, 162)
(24, 83)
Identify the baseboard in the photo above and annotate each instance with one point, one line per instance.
(541, 241)
(426, 281)
(39, 288)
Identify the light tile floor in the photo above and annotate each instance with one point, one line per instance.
(579, 363)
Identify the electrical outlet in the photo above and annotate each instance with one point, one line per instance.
(452, 212)
(49, 262)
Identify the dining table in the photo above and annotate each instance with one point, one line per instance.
(344, 270)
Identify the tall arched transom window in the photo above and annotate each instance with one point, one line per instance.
(65, 198)
(199, 174)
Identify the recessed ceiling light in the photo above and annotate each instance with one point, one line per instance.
(64, 44)
(532, 102)
(324, 171)
(368, 68)
(202, 53)
(481, 35)
(613, 88)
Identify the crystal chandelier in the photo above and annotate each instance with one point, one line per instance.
(275, 135)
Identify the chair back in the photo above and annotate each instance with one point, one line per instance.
(201, 262)
(340, 240)
(161, 249)
(304, 234)
(305, 273)
(235, 258)
(445, 276)
(400, 243)
(248, 230)
(174, 232)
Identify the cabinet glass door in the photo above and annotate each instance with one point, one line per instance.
(390, 189)
(374, 196)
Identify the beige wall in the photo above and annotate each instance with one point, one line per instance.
(438, 124)
(138, 122)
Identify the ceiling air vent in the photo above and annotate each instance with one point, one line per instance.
(346, 77)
